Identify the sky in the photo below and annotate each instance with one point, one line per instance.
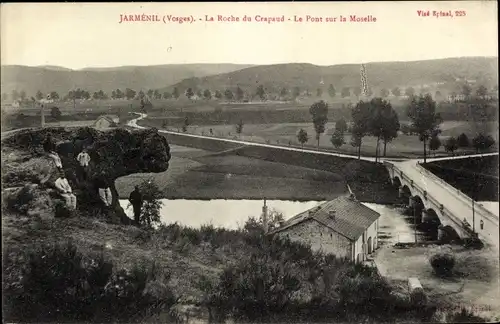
(78, 35)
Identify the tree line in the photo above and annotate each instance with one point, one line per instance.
(463, 92)
(377, 118)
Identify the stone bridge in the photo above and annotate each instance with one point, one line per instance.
(435, 202)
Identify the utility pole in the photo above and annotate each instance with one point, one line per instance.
(473, 218)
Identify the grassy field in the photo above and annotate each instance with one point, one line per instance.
(199, 174)
(286, 134)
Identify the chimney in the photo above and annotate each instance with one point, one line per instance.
(331, 214)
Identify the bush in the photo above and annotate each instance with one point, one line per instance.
(464, 316)
(442, 263)
(58, 283)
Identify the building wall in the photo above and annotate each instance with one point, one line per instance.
(102, 123)
(361, 247)
(320, 238)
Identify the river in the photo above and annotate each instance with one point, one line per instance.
(232, 214)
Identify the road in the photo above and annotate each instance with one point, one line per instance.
(133, 123)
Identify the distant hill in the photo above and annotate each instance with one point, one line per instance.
(380, 75)
(62, 80)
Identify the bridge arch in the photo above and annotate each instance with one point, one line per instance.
(397, 182)
(431, 222)
(418, 206)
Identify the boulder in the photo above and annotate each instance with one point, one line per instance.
(117, 153)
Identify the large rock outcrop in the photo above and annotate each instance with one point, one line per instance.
(117, 153)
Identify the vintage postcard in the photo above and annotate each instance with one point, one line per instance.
(266, 162)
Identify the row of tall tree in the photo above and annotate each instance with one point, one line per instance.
(378, 118)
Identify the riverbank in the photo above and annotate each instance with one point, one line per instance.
(245, 173)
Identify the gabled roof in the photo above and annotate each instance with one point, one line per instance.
(352, 218)
(110, 118)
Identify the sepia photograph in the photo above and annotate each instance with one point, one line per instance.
(257, 162)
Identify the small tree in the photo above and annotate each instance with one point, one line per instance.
(319, 92)
(239, 127)
(361, 124)
(319, 112)
(175, 93)
(239, 94)
(186, 124)
(396, 92)
(341, 125)
(425, 119)
(189, 93)
(451, 145)
(482, 142)
(55, 113)
(463, 141)
(296, 92)
(302, 137)
(261, 92)
(150, 212)
(337, 139)
(384, 93)
(331, 91)
(409, 91)
(218, 94)
(207, 94)
(228, 94)
(434, 143)
(39, 95)
(481, 91)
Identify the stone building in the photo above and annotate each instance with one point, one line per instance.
(106, 121)
(343, 227)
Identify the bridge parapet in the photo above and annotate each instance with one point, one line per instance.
(459, 194)
(451, 210)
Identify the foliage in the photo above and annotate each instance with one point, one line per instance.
(55, 113)
(151, 194)
(341, 125)
(482, 142)
(464, 316)
(463, 140)
(319, 112)
(189, 93)
(434, 143)
(319, 92)
(302, 136)
(296, 92)
(361, 123)
(228, 94)
(218, 94)
(256, 225)
(57, 283)
(239, 94)
(396, 91)
(451, 144)
(442, 263)
(207, 94)
(409, 91)
(425, 119)
(331, 91)
(261, 92)
(239, 127)
(383, 121)
(337, 138)
(175, 93)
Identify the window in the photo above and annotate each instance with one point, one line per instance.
(481, 224)
(331, 235)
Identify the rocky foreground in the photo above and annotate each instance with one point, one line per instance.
(28, 173)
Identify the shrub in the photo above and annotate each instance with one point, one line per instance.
(464, 316)
(442, 263)
(256, 288)
(56, 282)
